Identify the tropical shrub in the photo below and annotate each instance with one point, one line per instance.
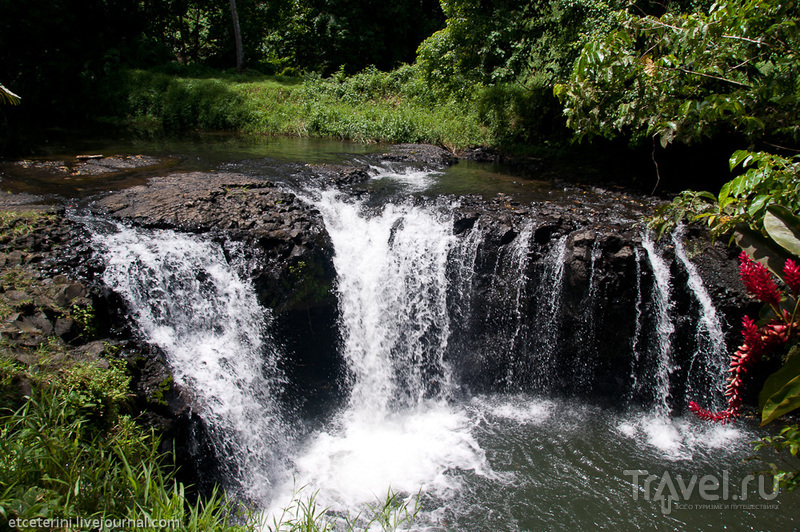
(732, 68)
(775, 336)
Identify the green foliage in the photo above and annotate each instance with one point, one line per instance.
(54, 465)
(85, 317)
(180, 103)
(784, 228)
(370, 106)
(684, 77)
(505, 57)
(787, 440)
(322, 35)
(781, 392)
(768, 181)
(305, 515)
(67, 450)
(487, 43)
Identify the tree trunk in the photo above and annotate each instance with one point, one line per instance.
(237, 34)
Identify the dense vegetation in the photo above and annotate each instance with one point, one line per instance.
(722, 78)
(461, 73)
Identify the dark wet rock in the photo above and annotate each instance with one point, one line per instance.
(89, 165)
(338, 175)
(607, 280)
(420, 154)
(66, 328)
(22, 201)
(465, 222)
(114, 164)
(286, 237)
(481, 154)
(54, 167)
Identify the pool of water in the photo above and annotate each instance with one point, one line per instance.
(522, 463)
(281, 159)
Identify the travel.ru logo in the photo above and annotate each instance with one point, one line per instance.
(715, 490)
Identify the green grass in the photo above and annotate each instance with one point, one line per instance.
(368, 107)
(14, 224)
(67, 450)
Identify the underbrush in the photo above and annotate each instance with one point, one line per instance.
(69, 451)
(369, 107)
(70, 458)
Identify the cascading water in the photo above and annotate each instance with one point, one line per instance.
(517, 271)
(636, 338)
(709, 362)
(190, 301)
(549, 298)
(664, 326)
(392, 288)
(398, 431)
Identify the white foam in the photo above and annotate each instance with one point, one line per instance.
(412, 179)
(528, 411)
(409, 452)
(679, 438)
(188, 299)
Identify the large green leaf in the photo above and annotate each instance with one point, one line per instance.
(760, 248)
(781, 392)
(783, 227)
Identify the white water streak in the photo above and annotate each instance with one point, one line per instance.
(188, 300)
(637, 333)
(664, 326)
(392, 285)
(710, 336)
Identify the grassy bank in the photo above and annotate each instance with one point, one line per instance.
(369, 107)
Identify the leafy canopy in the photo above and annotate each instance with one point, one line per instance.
(734, 67)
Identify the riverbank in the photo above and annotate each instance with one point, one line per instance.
(369, 107)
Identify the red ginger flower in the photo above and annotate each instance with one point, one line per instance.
(791, 276)
(758, 341)
(758, 281)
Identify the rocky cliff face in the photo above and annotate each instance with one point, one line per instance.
(557, 294)
(521, 332)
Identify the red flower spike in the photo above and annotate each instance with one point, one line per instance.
(791, 276)
(719, 417)
(752, 336)
(758, 281)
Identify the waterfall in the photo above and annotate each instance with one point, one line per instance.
(636, 339)
(419, 307)
(517, 272)
(710, 338)
(399, 431)
(392, 286)
(190, 301)
(664, 326)
(588, 357)
(549, 298)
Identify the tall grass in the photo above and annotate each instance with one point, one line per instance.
(369, 107)
(69, 451)
(304, 514)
